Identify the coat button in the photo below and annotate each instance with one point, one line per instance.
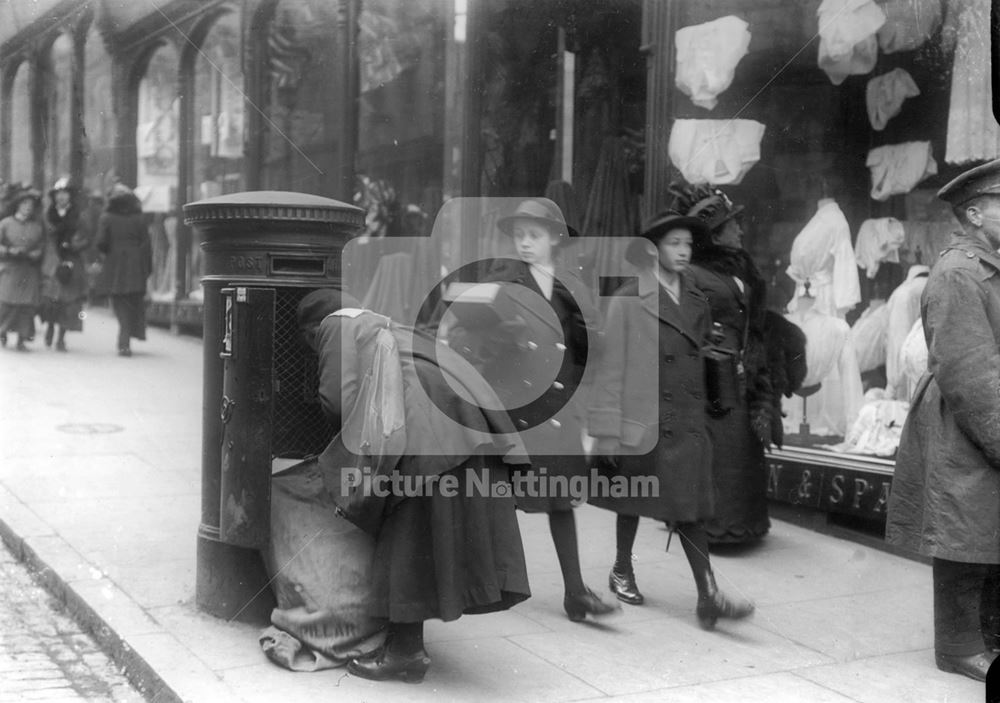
(970, 255)
(669, 358)
(667, 395)
(667, 432)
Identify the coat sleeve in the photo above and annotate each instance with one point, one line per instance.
(963, 356)
(103, 234)
(339, 379)
(605, 413)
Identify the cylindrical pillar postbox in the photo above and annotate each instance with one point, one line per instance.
(264, 251)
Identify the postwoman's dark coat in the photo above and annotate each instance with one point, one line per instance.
(945, 500)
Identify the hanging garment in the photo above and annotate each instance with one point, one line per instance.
(878, 427)
(847, 43)
(973, 133)
(908, 24)
(898, 168)
(885, 94)
(832, 361)
(904, 310)
(868, 334)
(707, 55)
(822, 256)
(720, 152)
(878, 240)
(913, 357)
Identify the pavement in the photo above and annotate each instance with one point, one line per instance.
(100, 490)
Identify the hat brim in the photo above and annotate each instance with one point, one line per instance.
(637, 252)
(565, 232)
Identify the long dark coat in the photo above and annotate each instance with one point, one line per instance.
(552, 425)
(738, 467)
(649, 394)
(945, 499)
(67, 240)
(122, 236)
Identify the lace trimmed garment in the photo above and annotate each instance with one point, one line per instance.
(720, 152)
(973, 133)
(878, 241)
(868, 334)
(847, 43)
(885, 95)
(823, 257)
(897, 168)
(707, 56)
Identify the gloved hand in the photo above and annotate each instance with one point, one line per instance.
(760, 423)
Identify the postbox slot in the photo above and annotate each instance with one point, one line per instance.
(298, 265)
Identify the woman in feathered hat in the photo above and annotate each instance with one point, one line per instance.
(65, 280)
(750, 422)
(123, 238)
(22, 246)
(648, 409)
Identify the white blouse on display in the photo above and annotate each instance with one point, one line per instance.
(973, 133)
(885, 94)
(913, 356)
(847, 42)
(707, 56)
(720, 152)
(823, 257)
(904, 310)
(868, 334)
(878, 241)
(908, 24)
(897, 168)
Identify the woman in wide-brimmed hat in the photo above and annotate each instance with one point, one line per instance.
(22, 246)
(547, 315)
(65, 281)
(751, 420)
(657, 327)
(123, 238)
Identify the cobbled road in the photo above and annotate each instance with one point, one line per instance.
(44, 654)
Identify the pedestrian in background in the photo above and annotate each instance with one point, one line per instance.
(64, 287)
(750, 421)
(22, 247)
(123, 238)
(945, 501)
(660, 316)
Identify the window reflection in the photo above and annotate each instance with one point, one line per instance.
(60, 109)
(20, 127)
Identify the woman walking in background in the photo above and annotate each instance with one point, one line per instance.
(65, 280)
(647, 429)
(22, 247)
(123, 238)
(749, 420)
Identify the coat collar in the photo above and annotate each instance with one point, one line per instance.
(659, 304)
(963, 241)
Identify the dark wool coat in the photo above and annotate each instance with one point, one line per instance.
(122, 236)
(738, 467)
(649, 393)
(67, 240)
(945, 499)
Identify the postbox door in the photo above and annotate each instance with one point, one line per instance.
(247, 416)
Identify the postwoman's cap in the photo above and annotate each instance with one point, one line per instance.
(540, 210)
(981, 180)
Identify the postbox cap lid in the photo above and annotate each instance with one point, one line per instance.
(273, 205)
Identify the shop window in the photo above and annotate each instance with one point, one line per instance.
(60, 106)
(217, 152)
(98, 115)
(20, 127)
(157, 145)
(304, 99)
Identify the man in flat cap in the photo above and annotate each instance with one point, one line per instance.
(945, 501)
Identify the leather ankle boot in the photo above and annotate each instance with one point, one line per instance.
(974, 666)
(625, 588)
(384, 664)
(580, 605)
(713, 604)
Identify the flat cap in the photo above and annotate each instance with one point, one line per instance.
(981, 180)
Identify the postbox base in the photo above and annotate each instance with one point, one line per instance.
(231, 583)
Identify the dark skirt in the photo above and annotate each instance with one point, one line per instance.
(130, 309)
(19, 319)
(68, 315)
(444, 556)
(547, 492)
(739, 473)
